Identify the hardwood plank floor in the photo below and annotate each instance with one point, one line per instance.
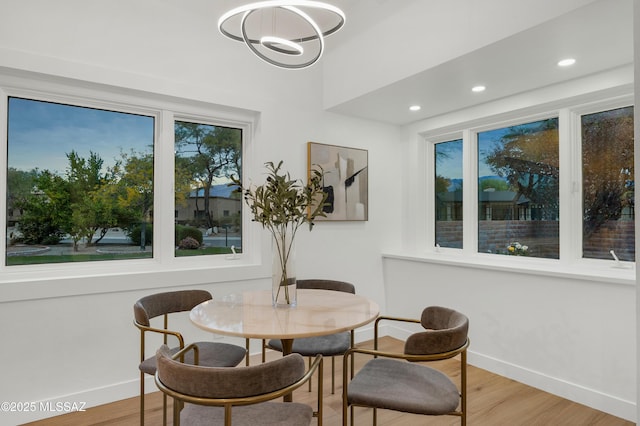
(492, 401)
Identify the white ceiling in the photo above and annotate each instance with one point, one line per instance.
(599, 36)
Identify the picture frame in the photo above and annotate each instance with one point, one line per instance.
(345, 180)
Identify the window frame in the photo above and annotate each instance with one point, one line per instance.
(570, 262)
(163, 268)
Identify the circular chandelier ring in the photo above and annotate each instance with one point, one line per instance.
(277, 44)
(265, 58)
(280, 3)
(273, 43)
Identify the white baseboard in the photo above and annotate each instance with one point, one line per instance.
(590, 397)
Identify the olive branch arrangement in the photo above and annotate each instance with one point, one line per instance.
(281, 205)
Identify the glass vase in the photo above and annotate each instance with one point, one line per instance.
(284, 269)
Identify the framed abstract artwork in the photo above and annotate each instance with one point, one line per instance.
(346, 180)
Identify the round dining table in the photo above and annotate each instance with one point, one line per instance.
(251, 314)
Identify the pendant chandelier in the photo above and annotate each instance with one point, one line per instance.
(287, 34)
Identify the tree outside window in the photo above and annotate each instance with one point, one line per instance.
(206, 156)
(608, 184)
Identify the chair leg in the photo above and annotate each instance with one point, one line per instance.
(463, 391)
(246, 344)
(141, 398)
(164, 409)
(176, 412)
(333, 375)
(264, 351)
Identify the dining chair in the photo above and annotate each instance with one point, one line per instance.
(389, 382)
(328, 346)
(213, 354)
(242, 396)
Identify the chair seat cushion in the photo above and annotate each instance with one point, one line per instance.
(265, 413)
(403, 386)
(211, 355)
(331, 345)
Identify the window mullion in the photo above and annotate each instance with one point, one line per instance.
(469, 192)
(570, 186)
(164, 202)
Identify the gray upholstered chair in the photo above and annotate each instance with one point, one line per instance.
(388, 381)
(328, 346)
(239, 395)
(163, 304)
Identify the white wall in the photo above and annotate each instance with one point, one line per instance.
(559, 332)
(569, 337)
(84, 348)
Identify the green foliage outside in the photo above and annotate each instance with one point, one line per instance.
(84, 202)
(183, 232)
(135, 234)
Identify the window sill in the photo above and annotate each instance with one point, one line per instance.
(63, 280)
(592, 270)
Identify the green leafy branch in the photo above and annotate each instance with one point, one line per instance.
(282, 205)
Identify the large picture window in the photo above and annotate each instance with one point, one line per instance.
(79, 183)
(518, 190)
(208, 207)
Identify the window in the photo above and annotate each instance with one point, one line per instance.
(448, 190)
(518, 190)
(557, 187)
(79, 183)
(207, 158)
(608, 184)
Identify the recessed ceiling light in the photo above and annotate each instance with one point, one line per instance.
(414, 108)
(478, 89)
(566, 62)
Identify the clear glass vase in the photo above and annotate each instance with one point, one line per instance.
(284, 269)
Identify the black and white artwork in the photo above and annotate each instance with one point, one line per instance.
(346, 180)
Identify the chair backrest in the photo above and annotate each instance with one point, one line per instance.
(446, 330)
(158, 304)
(315, 284)
(225, 382)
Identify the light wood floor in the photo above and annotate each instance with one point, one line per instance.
(493, 401)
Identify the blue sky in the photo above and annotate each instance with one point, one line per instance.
(449, 159)
(449, 164)
(42, 133)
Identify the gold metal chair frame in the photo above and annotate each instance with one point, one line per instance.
(462, 351)
(165, 332)
(180, 398)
